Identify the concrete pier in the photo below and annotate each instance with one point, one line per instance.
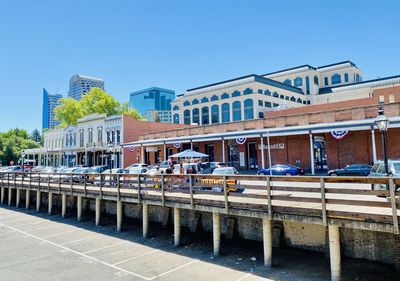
(79, 208)
(2, 195)
(38, 200)
(334, 252)
(119, 215)
(18, 197)
(177, 226)
(216, 232)
(50, 203)
(9, 196)
(145, 220)
(267, 241)
(27, 199)
(63, 205)
(98, 211)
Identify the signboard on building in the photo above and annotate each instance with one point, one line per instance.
(151, 149)
(273, 146)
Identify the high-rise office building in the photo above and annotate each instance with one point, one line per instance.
(81, 84)
(48, 116)
(153, 103)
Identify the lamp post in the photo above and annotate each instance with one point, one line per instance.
(22, 161)
(382, 122)
(110, 147)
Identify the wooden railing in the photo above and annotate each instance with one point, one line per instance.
(323, 200)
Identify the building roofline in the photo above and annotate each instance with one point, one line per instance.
(338, 63)
(288, 69)
(257, 78)
(152, 88)
(87, 77)
(327, 90)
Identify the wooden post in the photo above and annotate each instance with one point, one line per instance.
(323, 202)
(38, 200)
(191, 192)
(119, 215)
(334, 251)
(79, 208)
(27, 198)
(98, 211)
(267, 240)
(145, 220)
(162, 191)
(269, 195)
(216, 232)
(177, 226)
(63, 205)
(226, 196)
(394, 208)
(50, 203)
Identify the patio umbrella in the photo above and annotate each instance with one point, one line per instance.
(189, 154)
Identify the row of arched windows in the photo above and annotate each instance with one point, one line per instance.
(193, 116)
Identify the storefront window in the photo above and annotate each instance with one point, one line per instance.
(226, 116)
(237, 111)
(214, 114)
(248, 109)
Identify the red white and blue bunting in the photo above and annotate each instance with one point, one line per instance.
(339, 134)
(240, 140)
(131, 148)
(177, 145)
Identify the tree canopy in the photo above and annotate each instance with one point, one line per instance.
(96, 101)
(13, 142)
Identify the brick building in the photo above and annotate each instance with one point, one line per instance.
(301, 136)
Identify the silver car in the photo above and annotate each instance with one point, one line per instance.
(378, 170)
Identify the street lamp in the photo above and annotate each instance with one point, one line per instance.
(382, 122)
(22, 161)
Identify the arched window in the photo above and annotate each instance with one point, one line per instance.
(316, 80)
(299, 100)
(235, 94)
(298, 82)
(214, 114)
(336, 79)
(237, 111)
(248, 109)
(203, 100)
(205, 116)
(275, 95)
(226, 114)
(195, 116)
(214, 98)
(288, 82)
(186, 103)
(224, 96)
(292, 98)
(248, 91)
(195, 101)
(186, 117)
(176, 118)
(282, 97)
(175, 107)
(267, 93)
(260, 91)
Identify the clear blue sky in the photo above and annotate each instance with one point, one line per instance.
(180, 44)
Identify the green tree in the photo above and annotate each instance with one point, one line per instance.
(36, 136)
(96, 101)
(68, 112)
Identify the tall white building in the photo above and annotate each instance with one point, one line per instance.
(79, 85)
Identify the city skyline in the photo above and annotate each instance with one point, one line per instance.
(180, 56)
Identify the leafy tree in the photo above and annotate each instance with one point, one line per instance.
(68, 112)
(12, 143)
(96, 101)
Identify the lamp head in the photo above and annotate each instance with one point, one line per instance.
(382, 121)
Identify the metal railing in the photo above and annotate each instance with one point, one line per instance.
(323, 200)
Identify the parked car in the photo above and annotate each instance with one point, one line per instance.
(109, 179)
(378, 170)
(138, 170)
(282, 170)
(11, 170)
(44, 174)
(209, 167)
(352, 170)
(135, 165)
(65, 174)
(232, 184)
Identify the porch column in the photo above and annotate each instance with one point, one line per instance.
(269, 154)
(165, 152)
(191, 145)
(223, 150)
(373, 145)
(312, 153)
(142, 154)
(262, 152)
